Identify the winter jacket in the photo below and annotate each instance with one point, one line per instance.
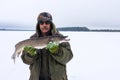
(46, 64)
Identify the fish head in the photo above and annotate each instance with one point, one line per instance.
(59, 38)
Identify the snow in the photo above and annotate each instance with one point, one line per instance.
(96, 56)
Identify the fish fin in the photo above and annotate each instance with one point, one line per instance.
(18, 54)
(13, 57)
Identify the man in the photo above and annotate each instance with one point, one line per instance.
(48, 63)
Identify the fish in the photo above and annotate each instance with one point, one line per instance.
(37, 43)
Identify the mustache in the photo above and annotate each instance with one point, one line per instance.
(45, 27)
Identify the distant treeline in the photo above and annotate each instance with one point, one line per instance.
(73, 29)
(16, 30)
(86, 29)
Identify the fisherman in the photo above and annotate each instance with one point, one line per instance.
(50, 62)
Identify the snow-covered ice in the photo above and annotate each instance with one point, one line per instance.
(96, 56)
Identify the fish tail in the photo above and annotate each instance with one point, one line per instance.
(13, 57)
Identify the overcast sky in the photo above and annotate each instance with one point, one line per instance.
(90, 13)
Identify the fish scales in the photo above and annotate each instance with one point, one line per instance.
(37, 43)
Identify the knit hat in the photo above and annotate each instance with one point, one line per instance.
(44, 16)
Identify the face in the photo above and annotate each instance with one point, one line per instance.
(44, 26)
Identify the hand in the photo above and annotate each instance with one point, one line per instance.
(30, 50)
(52, 47)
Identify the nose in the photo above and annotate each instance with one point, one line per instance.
(44, 23)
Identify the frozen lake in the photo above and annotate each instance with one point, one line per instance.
(96, 56)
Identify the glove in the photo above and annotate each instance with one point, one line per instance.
(52, 47)
(30, 50)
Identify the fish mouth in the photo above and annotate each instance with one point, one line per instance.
(65, 38)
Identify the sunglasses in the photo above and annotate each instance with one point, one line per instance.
(46, 22)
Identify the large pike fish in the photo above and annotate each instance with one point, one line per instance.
(40, 42)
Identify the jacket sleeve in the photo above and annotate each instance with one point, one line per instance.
(27, 59)
(64, 53)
